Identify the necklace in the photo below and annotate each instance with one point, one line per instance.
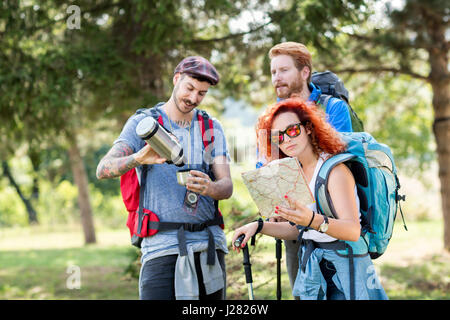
(189, 139)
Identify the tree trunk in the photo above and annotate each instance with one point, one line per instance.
(440, 82)
(441, 130)
(34, 156)
(32, 215)
(442, 134)
(81, 180)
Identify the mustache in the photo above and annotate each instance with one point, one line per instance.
(189, 102)
(280, 84)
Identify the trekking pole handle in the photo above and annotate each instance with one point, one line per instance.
(278, 256)
(238, 241)
(278, 251)
(247, 265)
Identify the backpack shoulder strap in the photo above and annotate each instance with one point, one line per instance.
(152, 112)
(143, 182)
(207, 131)
(323, 101)
(206, 127)
(323, 199)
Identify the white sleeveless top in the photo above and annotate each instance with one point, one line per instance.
(312, 234)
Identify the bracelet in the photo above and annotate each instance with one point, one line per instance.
(312, 218)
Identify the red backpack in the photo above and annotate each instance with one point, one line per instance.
(144, 223)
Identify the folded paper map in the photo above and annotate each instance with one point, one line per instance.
(269, 184)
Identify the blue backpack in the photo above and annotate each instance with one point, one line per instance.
(375, 173)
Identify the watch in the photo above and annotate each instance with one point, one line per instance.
(324, 226)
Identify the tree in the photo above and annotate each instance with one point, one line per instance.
(62, 66)
(416, 44)
(32, 215)
(57, 81)
(39, 85)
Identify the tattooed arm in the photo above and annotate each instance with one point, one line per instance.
(120, 159)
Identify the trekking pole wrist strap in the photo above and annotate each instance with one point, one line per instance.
(260, 226)
(258, 230)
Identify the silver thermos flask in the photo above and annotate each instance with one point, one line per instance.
(161, 141)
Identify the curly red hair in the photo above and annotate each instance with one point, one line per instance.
(324, 137)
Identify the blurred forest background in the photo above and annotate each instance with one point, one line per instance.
(72, 72)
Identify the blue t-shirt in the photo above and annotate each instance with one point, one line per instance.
(336, 110)
(164, 196)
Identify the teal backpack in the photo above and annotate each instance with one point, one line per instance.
(375, 173)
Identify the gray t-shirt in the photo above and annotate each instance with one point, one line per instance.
(165, 197)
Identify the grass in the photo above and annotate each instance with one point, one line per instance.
(37, 262)
(414, 266)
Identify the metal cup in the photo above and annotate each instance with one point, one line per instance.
(182, 176)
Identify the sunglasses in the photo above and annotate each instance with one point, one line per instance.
(292, 131)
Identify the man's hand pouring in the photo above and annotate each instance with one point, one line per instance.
(148, 156)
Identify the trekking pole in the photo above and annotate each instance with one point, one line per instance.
(247, 266)
(278, 256)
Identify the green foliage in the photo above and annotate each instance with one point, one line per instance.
(240, 206)
(62, 206)
(12, 210)
(315, 23)
(58, 202)
(395, 110)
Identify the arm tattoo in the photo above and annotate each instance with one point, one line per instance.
(116, 162)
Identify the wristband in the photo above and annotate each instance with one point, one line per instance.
(312, 218)
(260, 226)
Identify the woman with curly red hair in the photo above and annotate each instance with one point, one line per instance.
(324, 138)
(293, 128)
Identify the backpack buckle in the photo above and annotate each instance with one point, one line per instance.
(188, 227)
